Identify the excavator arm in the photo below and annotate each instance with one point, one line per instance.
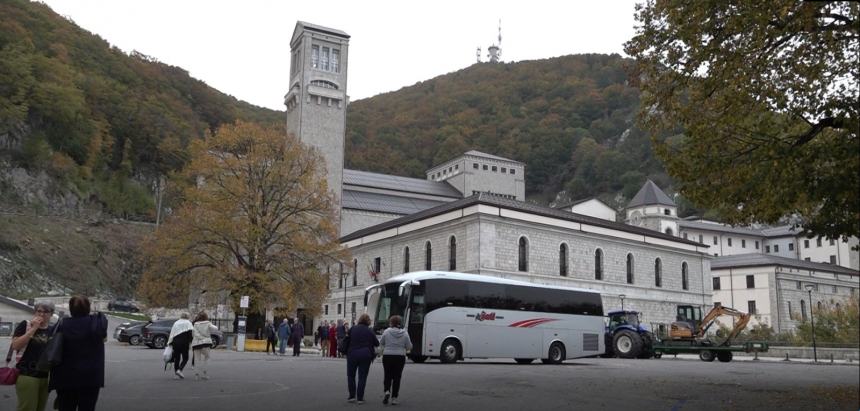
(708, 321)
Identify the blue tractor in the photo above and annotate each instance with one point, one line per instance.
(626, 337)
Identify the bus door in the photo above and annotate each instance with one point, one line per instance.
(415, 322)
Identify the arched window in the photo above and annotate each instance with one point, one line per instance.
(562, 260)
(658, 273)
(354, 272)
(598, 264)
(803, 310)
(428, 253)
(838, 307)
(340, 276)
(819, 306)
(630, 268)
(669, 231)
(452, 254)
(524, 254)
(684, 283)
(406, 260)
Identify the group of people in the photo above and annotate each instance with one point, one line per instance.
(79, 377)
(287, 333)
(197, 336)
(361, 347)
(330, 335)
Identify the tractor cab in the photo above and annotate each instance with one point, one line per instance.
(624, 319)
(626, 337)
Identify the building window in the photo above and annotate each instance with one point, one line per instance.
(751, 307)
(324, 59)
(523, 254)
(354, 273)
(807, 259)
(717, 304)
(338, 309)
(630, 268)
(504, 170)
(669, 231)
(790, 246)
(716, 283)
(805, 243)
(658, 273)
(335, 60)
(562, 260)
(797, 285)
(818, 242)
(315, 56)
(340, 276)
(715, 240)
(803, 310)
(452, 254)
(475, 166)
(494, 169)
(743, 243)
(598, 264)
(756, 245)
(790, 313)
(750, 281)
(352, 308)
(486, 167)
(835, 290)
(512, 171)
(729, 241)
(684, 276)
(428, 253)
(700, 239)
(666, 211)
(819, 306)
(776, 248)
(685, 236)
(767, 248)
(832, 242)
(325, 307)
(832, 259)
(406, 260)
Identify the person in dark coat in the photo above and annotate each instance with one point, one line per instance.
(271, 337)
(298, 335)
(341, 333)
(81, 374)
(361, 352)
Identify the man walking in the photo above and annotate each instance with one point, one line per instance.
(271, 337)
(283, 335)
(298, 333)
(324, 338)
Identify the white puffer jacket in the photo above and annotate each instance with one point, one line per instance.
(202, 334)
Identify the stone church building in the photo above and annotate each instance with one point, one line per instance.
(469, 214)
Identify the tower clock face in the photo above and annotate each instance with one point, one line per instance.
(636, 218)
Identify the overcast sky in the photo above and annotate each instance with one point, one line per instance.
(242, 47)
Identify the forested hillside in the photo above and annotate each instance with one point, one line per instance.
(570, 119)
(103, 123)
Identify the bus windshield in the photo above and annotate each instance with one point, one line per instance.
(390, 303)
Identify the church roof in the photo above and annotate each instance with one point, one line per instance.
(758, 260)
(515, 205)
(385, 203)
(397, 183)
(650, 194)
(318, 28)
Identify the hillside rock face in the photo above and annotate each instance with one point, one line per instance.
(21, 189)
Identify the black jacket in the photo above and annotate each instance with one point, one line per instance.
(83, 362)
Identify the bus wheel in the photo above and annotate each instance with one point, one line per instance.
(418, 359)
(524, 360)
(706, 355)
(450, 351)
(556, 353)
(724, 356)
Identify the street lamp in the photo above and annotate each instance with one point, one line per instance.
(343, 276)
(621, 296)
(809, 288)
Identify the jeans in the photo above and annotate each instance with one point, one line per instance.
(283, 345)
(363, 367)
(393, 367)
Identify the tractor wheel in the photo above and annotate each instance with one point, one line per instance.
(627, 344)
(646, 352)
(706, 355)
(724, 356)
(658, 355)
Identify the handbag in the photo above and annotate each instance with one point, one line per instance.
(343, 348)
(167, 355)
(8, 375)
(52, 355)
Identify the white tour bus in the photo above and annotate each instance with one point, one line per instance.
(453, 316)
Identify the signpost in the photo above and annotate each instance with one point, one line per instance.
(241, 323)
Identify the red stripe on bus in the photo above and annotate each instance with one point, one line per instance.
(530, 323)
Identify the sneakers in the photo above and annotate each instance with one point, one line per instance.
(386, 397)
(394, 401)
(350, 399)
(359, 402)
(179, 374)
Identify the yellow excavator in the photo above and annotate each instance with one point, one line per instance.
(690, 325)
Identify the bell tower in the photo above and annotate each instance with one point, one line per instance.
(316, 101)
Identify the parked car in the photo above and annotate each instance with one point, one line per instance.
(130, 332)
(155, 333)
(123, 305)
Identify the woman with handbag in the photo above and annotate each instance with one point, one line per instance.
(32, 337)
(181, 335)
(395, 344)
(81, 373)
(361, 350)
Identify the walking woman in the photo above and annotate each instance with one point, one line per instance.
(201, 343)
(81, 374)
(332, 340)
(361, 351)
(180, 339)
(32, 337)
(395, 344)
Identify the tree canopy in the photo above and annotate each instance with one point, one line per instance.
(256, 219)
(765, 98)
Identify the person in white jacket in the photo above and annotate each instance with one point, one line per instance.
(395, 343)
(180, 339)
(201, 344)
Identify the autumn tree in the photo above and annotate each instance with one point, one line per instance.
(256, 219)
(767, 97)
